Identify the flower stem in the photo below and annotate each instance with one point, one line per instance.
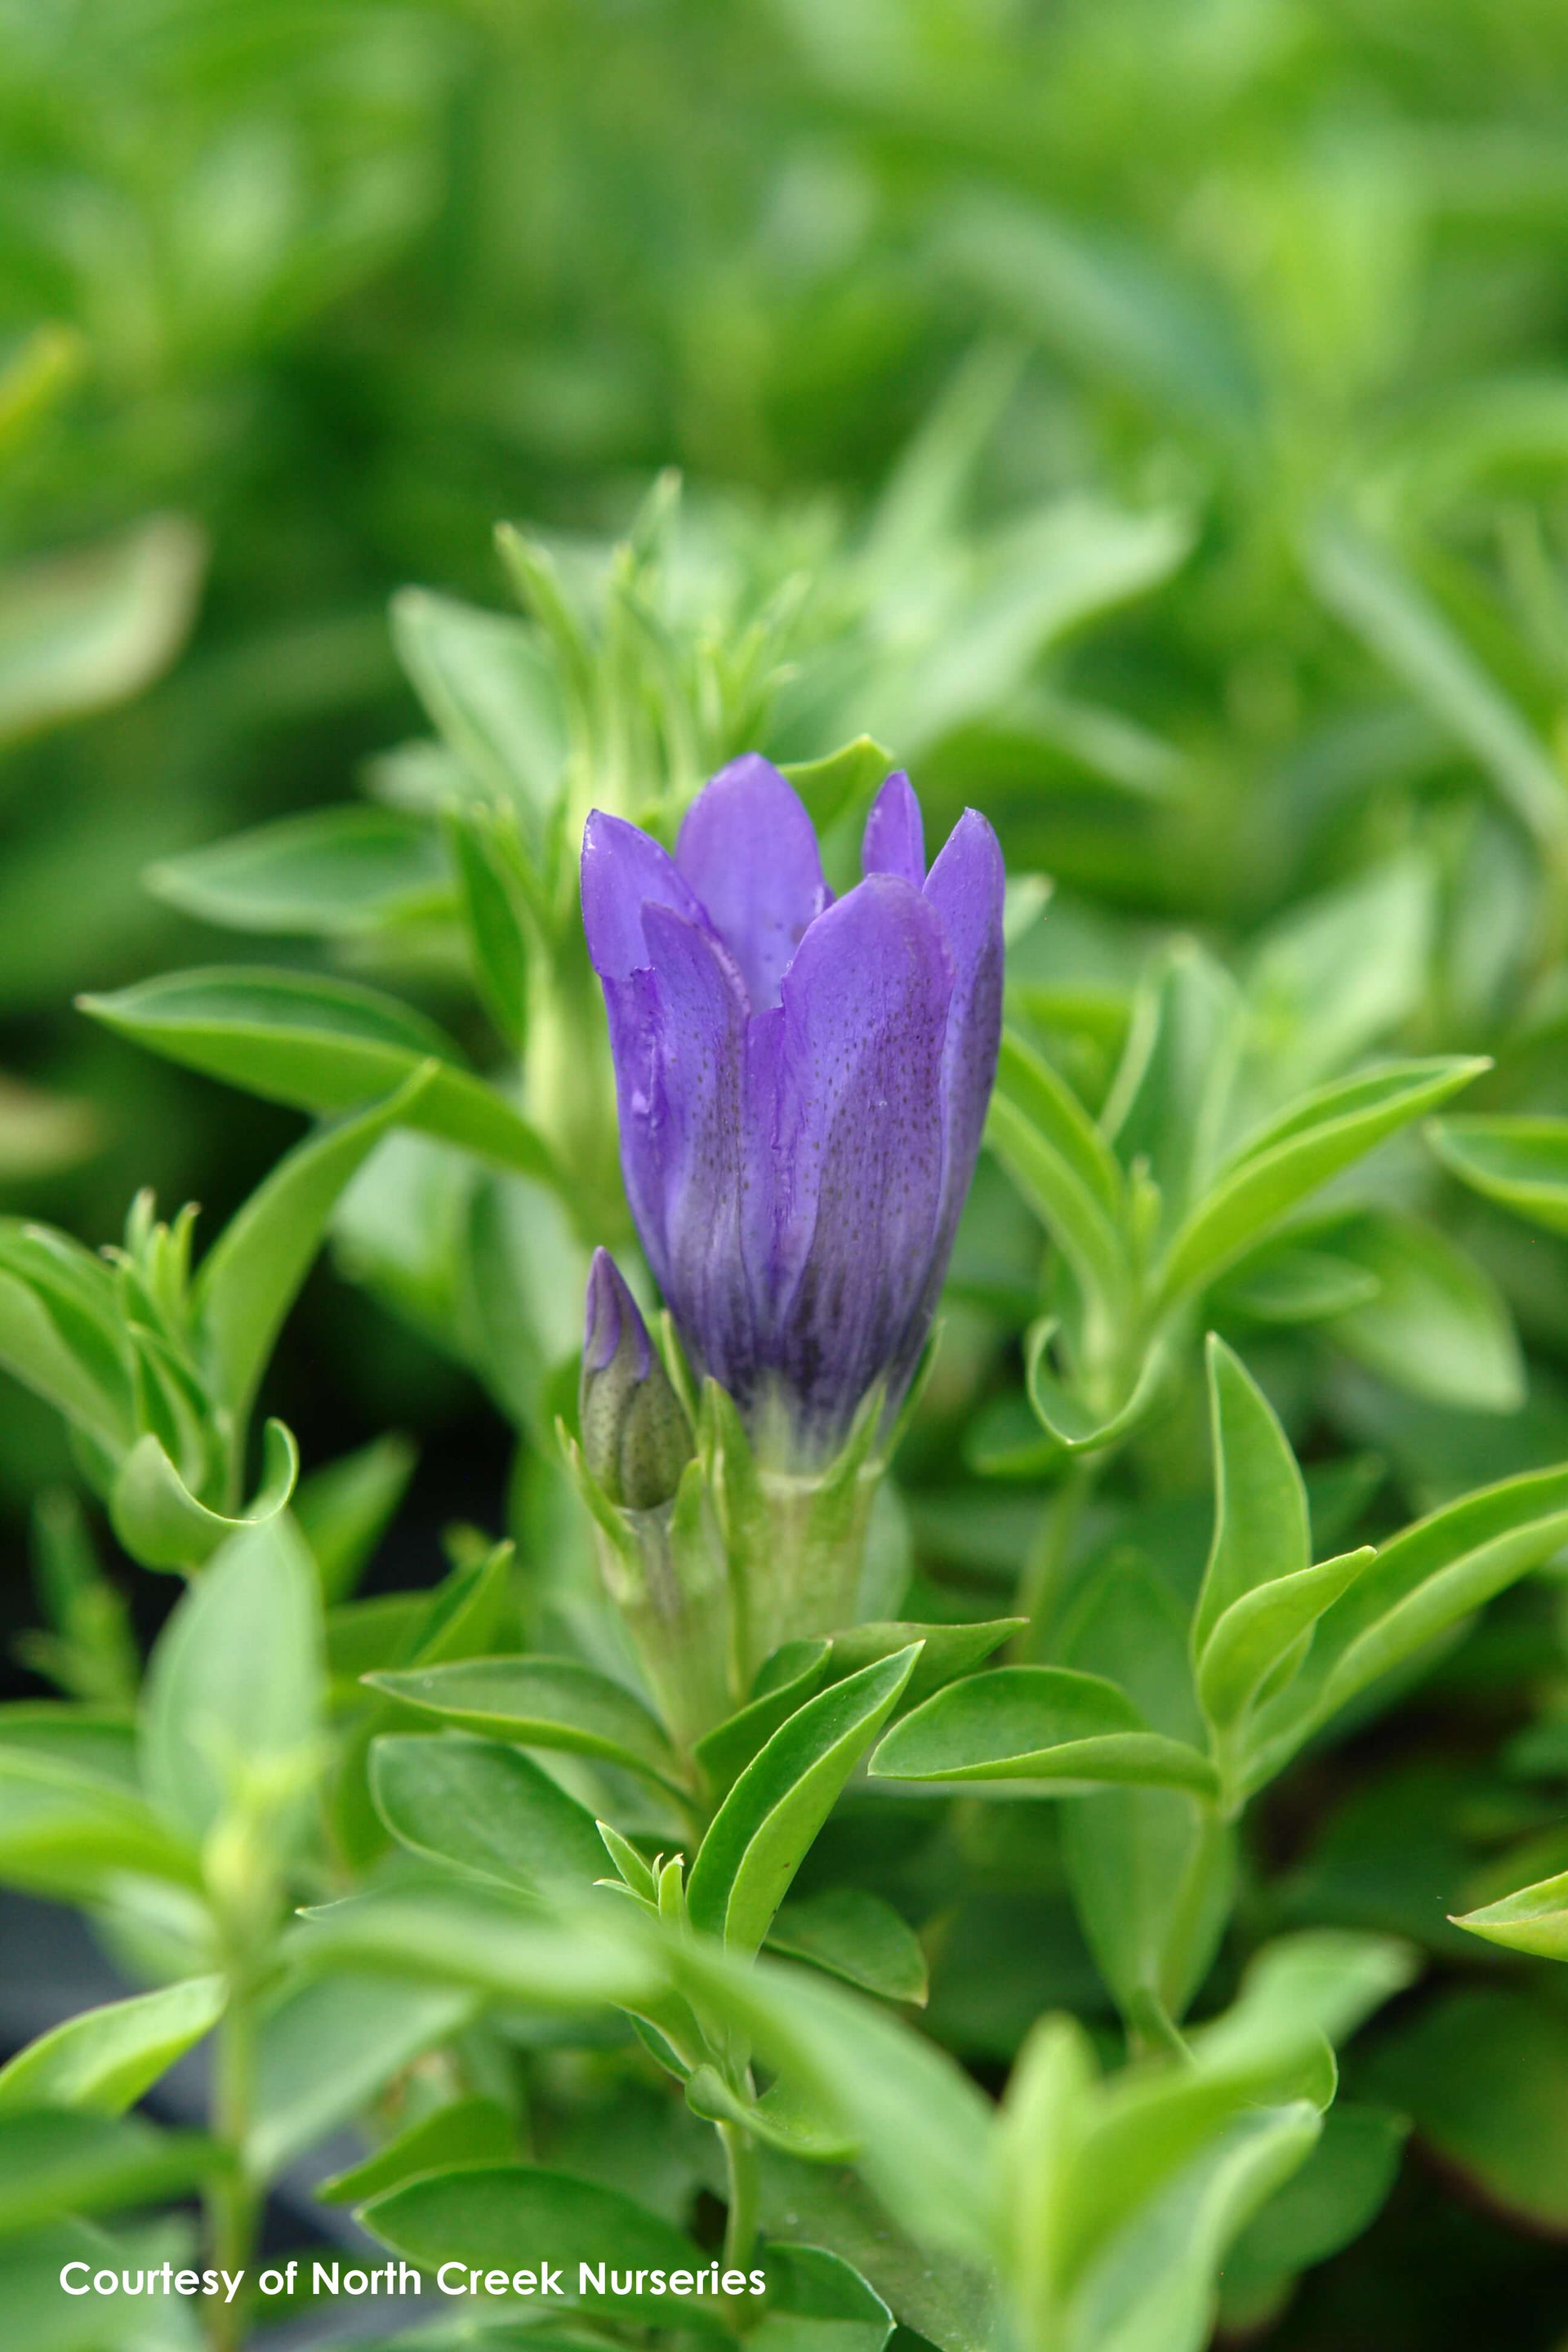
(740, 2223)
(233, 2200)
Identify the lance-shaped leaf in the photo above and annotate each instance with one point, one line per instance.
(484, 1808)
(327, 2046)
(1423, 1581)
(67, 1832)
(760, 1835)
(1522, 1163)
(830, 787)
(492, 874)
(60, 1331)
(55, 2159)
(853, 1934)
(782, 2118)
(104, 2059)
(320, 1044)
(1261, 1595)
(496, 2217)
(83, 630)
(250, 1276)
(1169, 1099)
(336, 873)
(1276, 1169)
(488, 682)
(468, 1935)
(1437, 1325)
(539, 1702)
(162, 1524)
(465, 2131)
(1076, 1424)
(922, 2131)
(343, 1509)
(1534, 1919)
(1037, 1724)
(947, 1651)
(784, 1683)
(1054, 1154)
(233, 1690)
(815, 2298)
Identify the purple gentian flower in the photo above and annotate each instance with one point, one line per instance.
(802, 1082)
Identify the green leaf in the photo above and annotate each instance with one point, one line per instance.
(104, 2059)
(336, 873)
(466, 2131)
(761, 1833)
(1334, 977)
(466, 1936)
(1290, 1158)
(921, 2130)
(1037, 1724)
(69, 1833)
(1054, 1153)
(1423, 1581)
(1365, 585)
(319, 1045)
(816, 2303)
(1482, 2071)
(163, 1525)
(1534, 1919)
(1171, 1093)
(343, 1510)
(1150, 1869)
(60, 1334)
(1522, 1163)
(1073, 1423)
(233, 1697)
(539, 1702)
(785, 1682)
(250, 1276)
(946, 1651)
(1436, 1326)
(507, 2216)
(1260, 1592)
(98, 1741)
(854, 1935)
(83, 631)
(832, 786)
(1338, 2193)
(489, 683)
(488, 880)
(1288, 1284)
(60, 2160)
(484, 1808)
(326, 2048)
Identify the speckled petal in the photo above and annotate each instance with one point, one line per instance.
(748, 851)
(622, 870)
(679, 1051)
(894, 840)
(965, 886)
(857, 1134)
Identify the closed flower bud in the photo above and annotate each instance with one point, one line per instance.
(802, 1085)
(636, 1440)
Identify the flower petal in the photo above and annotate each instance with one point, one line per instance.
(894, 840)
(857, 1149)
(625, 869)
(748, 850)
(678, 1035)
(966, 887)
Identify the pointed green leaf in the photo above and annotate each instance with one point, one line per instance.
(489, 683)
(320, 1044)
(539, 1702)
(1276, 1169)
(343, 1509)
(947, 1651)
(336, 873)
(857, 1936)
(467, 2131)
(329, 2045)
(57, 2160)
(67, 1832)
(831, 786)
(1521, 1163)
(785, 1682)
(1036, 1724)
(1436, 1325)
(761, 1833)
(250, 1277)
(233, 1696)
(104, 2059)
(1054, 1153)
(1260, 1527)
(486, 1809)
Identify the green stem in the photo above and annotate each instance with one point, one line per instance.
(1041, 1586)
(741, 2222)
(234, 2199)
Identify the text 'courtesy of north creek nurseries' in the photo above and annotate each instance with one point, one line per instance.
(602, 2278)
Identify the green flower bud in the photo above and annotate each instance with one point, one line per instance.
(636, 1439)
